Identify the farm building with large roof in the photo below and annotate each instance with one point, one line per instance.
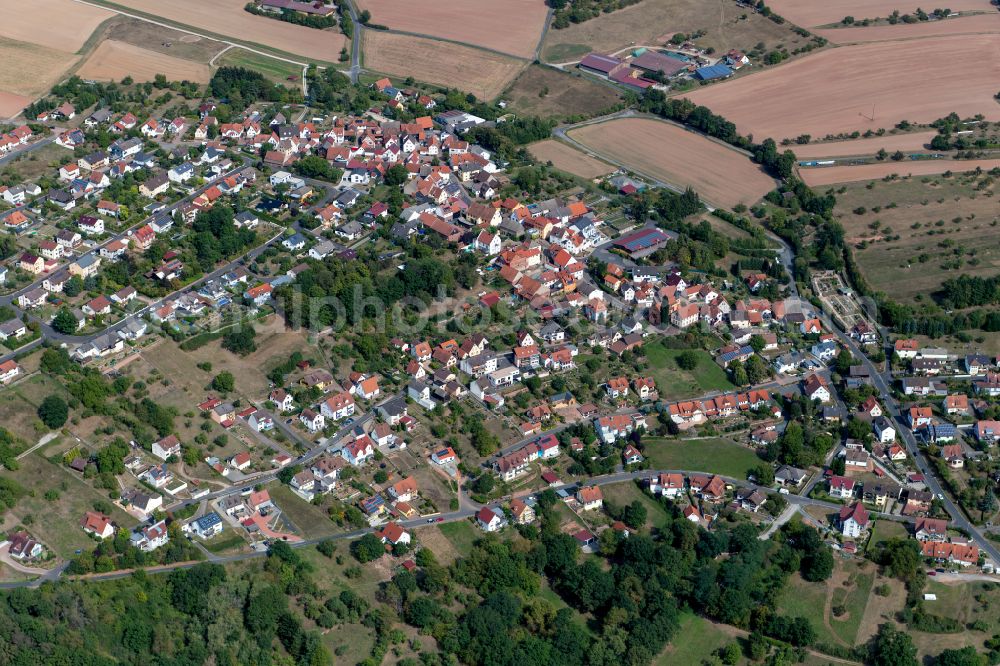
(602, 64)
(713, 72)
(642, 241)
(651, 61)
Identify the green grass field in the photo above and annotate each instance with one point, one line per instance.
(676, 384)
(884, 530)
(715, 456)
(276, 70)
(810, 600)
(228, 540)
(461, 534)
(626, 493)
(696, 641)
(311, 521)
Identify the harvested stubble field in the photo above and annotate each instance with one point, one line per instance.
(165, 40)
(569, 159)
(227, 17)
(443, 64)
(933, 216)
(511, 26)
(62, 25)
(670, 153)
(45, 64)
(809, 13)
(115, 60)
(846, 174)
(545, 91)
(652, 22)
(914, 141)
(962, 25)
(834, 91)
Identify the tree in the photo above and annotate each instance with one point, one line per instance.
(73, 286)
(241, 341)
(634, 514)
(396, 175)
(687, 360)
(367, 548)
(892, 648)
(763, 474)
(967, 656)
(53, 412)
(224, 381)
(818, 564)
(64, 322)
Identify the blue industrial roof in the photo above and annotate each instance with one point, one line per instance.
(713, 72)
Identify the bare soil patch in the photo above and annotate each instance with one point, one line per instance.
(962, 25)
(227, 17)
(809, 13)
(915, 141)
(62, 25)
(652, 22)
(673, 154)
(834, 91)
(511, 26)
(114, 60)
(449, 65)
(845, 174)
(545, 91)
(569, 159)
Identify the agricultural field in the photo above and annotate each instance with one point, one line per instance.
(909, 142)
(654, 22)
(817, 177)
(670, 153)
(443, 64)
(938, 221)
(512, 27)
(278, 71)
(163, 40)
(544, 91)
(228, 19)
(713, 456)
(62, 25)
(962, 25)
(823, 93)
(569, 159)
(667, 152)
(113, 61)
(810, 14)
(675, 383)
(46, 65)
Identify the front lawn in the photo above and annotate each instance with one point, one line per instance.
(713, 455)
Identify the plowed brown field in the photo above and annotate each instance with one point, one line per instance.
(844, 174)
